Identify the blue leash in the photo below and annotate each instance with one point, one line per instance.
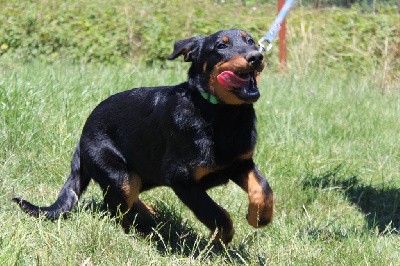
(275, 27)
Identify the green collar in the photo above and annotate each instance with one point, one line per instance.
(209, 97)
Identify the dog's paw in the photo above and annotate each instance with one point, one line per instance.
(261, 210)
(224, 235)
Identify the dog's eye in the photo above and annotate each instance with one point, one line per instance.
(221, 46)
(250, 42)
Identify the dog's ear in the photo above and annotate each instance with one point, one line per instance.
(189, 48)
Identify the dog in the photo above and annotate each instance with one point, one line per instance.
(189, 137)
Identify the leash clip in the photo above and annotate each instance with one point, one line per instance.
(275, 27)
(262, 48)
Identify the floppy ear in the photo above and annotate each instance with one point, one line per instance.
(189, 48)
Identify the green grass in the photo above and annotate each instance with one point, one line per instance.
(327, 143)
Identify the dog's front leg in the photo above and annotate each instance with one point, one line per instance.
(261, 199)
(206, 210)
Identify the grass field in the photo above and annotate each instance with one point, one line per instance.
(328, 143)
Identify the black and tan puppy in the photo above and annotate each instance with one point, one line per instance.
(190, 137)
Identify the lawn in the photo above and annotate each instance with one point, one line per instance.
(328, 144)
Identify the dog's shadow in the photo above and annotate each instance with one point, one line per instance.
(170, 233)
(380, 204)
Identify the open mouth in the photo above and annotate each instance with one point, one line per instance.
(243, 85)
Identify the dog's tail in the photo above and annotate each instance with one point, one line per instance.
(68, 197)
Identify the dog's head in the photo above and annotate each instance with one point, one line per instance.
(226, 64)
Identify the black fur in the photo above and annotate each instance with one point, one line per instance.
(163, 135)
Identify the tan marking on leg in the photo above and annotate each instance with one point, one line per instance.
(261, 200)
(201, 172)
(246, 156)
(144, 209)
(145, 217)
(131, 188)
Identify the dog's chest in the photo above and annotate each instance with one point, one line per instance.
(228, 143)
(230, 134)
(214, 135)
(233, 140)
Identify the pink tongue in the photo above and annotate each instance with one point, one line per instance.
(230, 80)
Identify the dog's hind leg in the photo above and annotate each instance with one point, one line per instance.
(144, 215)
(206, 210)
(121, 196)
(120, 187)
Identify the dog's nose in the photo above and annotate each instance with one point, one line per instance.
(254, 57)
